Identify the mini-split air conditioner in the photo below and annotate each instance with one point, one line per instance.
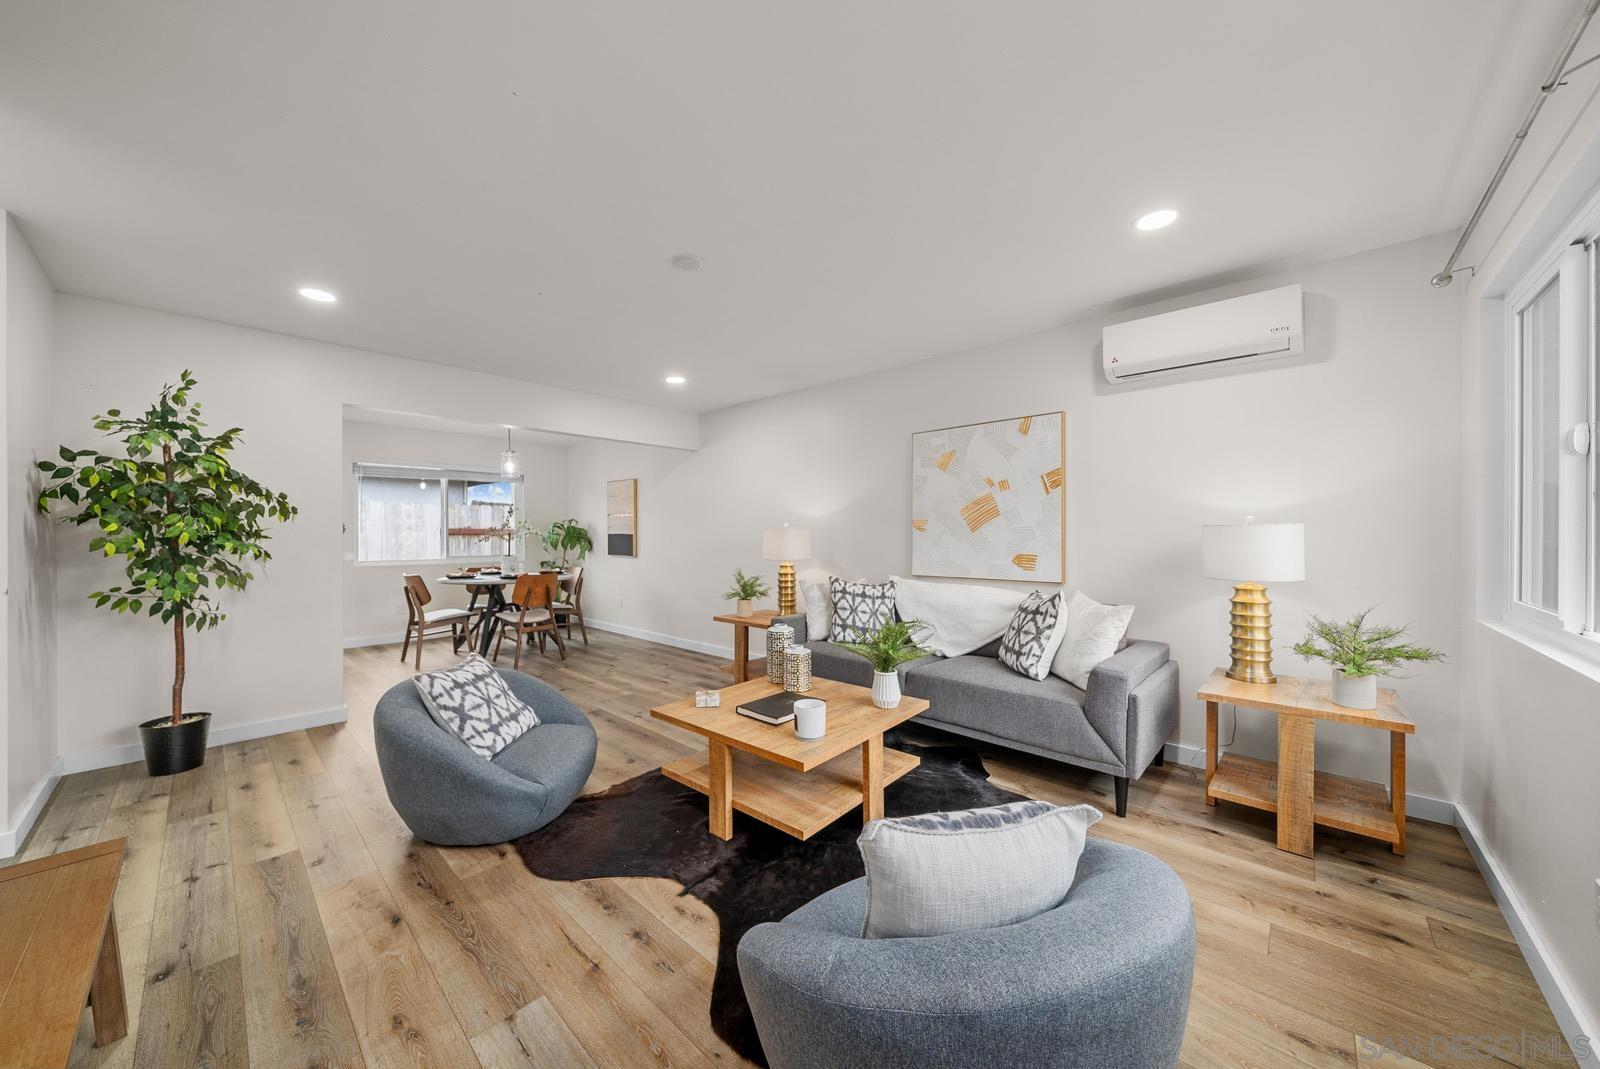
(1258, 326)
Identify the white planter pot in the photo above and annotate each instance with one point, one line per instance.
(1355, 692)
(886, 690)
(744, 607)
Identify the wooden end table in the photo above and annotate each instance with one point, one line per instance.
(58, 949)
(1301, 796)
(798, 786)
(742, 667)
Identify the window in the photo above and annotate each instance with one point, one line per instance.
(417, 514)
(1555, 558)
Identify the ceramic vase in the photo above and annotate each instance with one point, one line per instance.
(886, 690)
(1355, 692)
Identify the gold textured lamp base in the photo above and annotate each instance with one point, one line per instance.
(1250, 614)
(786, 588)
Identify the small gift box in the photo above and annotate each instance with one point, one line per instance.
(707, 699)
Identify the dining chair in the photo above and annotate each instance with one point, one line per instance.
(422, 621)
(570, 605)
(529, 614)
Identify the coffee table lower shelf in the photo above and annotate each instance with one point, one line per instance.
(798, 803)
(1347, 804)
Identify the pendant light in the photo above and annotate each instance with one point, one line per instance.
(508, 459)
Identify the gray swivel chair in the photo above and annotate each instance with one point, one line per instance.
(449, 795)
(1101, 980)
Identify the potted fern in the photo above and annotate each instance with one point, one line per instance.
(185, 522)
(1360, 654)
(745, 590)
(891, 646)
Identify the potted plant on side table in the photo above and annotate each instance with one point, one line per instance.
(745, 590)
(1359, 655)
(185, 520)
(888, 648)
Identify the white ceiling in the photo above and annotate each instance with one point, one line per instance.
(500, 185)
(417, 421)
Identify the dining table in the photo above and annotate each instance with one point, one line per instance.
(492, 586)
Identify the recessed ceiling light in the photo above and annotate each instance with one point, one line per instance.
(1157, 219)
(676, 380)
(311, 293)
(686, 261)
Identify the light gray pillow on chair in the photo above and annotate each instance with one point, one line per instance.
(470, 700)
(978, 868)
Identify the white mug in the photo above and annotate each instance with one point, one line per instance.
(810, 718)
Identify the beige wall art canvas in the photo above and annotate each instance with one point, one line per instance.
(988, 501)
(622, 518)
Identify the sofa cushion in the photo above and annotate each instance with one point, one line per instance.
(472, 701)
(859, 609)
(834, 662)
(983, 694)
(1094, 632)
(977, 868)
(1034, 635)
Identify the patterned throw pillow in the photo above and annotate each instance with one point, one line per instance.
(1030, 642)
(471, 700)
(859, 609)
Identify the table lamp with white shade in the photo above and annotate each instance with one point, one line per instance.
(1251, 555)
(786, 545)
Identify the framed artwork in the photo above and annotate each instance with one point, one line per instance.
(622, 518)
(988, 501)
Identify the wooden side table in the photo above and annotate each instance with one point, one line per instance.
(742, 667)
(1292, 788)
(58, 950)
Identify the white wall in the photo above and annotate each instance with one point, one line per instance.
(1355, 439)
(374, 610)
(30, 634)
(1530, 720)
(279, 653)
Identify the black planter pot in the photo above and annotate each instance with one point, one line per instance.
(170, 750)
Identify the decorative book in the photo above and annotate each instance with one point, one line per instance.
(774, 709)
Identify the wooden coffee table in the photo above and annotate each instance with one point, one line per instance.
(798, 786)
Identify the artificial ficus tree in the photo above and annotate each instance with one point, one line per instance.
(187, 522)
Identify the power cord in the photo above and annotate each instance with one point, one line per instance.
(1199, 758)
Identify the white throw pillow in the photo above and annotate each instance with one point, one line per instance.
(471, 700)
(1034, 635)
(960, 616)
(979, 868)
(818, 606)
(1094, 632)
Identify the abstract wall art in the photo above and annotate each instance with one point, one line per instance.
(988, 500)
(622, 518)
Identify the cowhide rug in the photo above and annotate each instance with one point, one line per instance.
(651, 826)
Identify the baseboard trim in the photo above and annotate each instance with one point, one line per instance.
(1580, 1031)
(106, 756)
(385, 639)
(14, 836)
(1420, 806)
(660, 638)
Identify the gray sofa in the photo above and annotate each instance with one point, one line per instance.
(449, 795)
(1118, 726)
(1101, 980)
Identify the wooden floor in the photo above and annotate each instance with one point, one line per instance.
(275, 912)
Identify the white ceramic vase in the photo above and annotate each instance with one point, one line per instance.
(886, 690)
(1355, 692)
(743, 606)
